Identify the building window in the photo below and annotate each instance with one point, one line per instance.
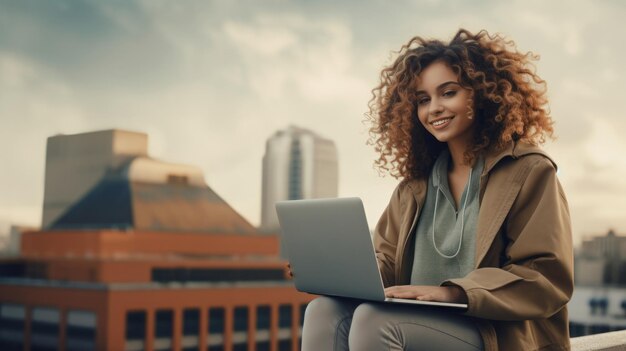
(184, 275)
(80, 331)
(577, 329)
(135, 330)
(263, 318)
(191, 329)
(599, 328)
(617, 327)
(284, 345)
(302, 311)
(12, 325)
(163, 330)
(285, 318)
(241, 319)
(44, 334)
(215, 340)
(240, 329)
(177, 179)
(13, 270)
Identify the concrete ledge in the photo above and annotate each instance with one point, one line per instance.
(612, 341)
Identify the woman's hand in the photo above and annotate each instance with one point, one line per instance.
(289, 272)
(453, 294)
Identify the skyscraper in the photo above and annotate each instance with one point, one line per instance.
(298, 164)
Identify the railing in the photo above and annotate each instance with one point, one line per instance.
(612, 341)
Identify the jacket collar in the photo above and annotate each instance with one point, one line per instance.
(493, 156)
(512, 149)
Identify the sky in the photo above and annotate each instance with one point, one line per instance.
(210, 81)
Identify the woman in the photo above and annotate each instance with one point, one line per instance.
(479, 216)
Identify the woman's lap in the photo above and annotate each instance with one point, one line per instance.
(334, 323)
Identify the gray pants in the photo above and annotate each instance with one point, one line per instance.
(338, 324)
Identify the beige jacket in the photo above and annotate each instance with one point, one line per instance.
(523, 276)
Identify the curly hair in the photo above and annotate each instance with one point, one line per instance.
(507, 99)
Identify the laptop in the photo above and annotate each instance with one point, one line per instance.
(329, 247)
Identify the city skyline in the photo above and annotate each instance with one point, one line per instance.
(141, 254)
(209, 82)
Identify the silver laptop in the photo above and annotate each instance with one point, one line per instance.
(328, 244)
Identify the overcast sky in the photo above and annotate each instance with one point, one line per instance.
(210, 81)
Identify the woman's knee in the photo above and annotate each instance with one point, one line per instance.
(328, 308)
(327, 323)
(372, 329)
(366, 313)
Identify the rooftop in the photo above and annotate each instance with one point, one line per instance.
(174, 199)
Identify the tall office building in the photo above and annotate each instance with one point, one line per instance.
(298, 164)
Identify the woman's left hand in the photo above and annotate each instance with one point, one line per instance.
(452, 294)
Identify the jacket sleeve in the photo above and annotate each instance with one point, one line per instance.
(386, 238)
(536, 277)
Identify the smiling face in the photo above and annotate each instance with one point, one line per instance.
(442, 104)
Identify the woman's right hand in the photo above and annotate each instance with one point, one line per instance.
(289, 272)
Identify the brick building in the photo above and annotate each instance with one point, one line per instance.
(148, 258)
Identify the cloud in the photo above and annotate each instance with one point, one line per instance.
(210, 81)
(591, 174)
(284, 54)
(34, 104)
(93, 45)
(266, 39)
(604, 147)
(566, 33)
